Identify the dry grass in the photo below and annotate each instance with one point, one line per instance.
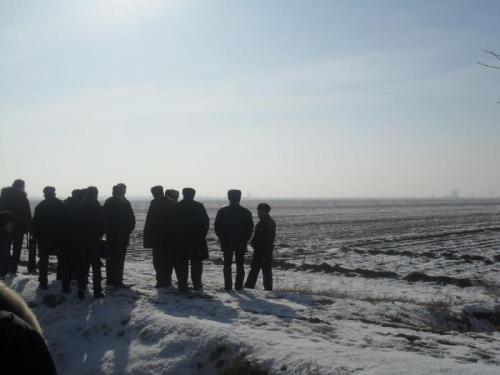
(433, 303)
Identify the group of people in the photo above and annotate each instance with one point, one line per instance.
(72, 230)
(176, 231)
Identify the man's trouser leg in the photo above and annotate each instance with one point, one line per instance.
(64, 259)
(83, 272)
(17, 243)
(157, 264)
(43, 266)
(95, 262)
(181, 266)
(169, 265)
(228, 272)
(31, 255)
(240, 269)
(113, 249)
(196, 272)
(120, 263)
(267, 273)
(254, 272)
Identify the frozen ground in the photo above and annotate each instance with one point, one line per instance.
(368, 287)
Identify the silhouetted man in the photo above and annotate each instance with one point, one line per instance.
(234, 227)
(88, 230)
(155, 236)
(119, 222)
(263, 245)
(71, 203)
(51, 228)
(190, 230)
(14, 200)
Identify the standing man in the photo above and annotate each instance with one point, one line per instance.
(88, 229)
(119, 223)
(71, 203)
(234, 227)
(190, 232)
(155, 234)
(15, 200)
(263, 246)
(51, 228)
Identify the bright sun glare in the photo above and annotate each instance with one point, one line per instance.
(122, 12)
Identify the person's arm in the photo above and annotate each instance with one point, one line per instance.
(249, 226)
(218, 226)
(256, 236)
(205, 220)
(35, 225)
(147, 229)
(27, 215)
(272, 235)
(101, 217)
(132, 218)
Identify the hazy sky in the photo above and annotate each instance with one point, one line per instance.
(279, 98)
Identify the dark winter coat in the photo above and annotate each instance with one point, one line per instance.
(52, 223)
(118, 217)
(22, 347)
(4, 252)
(263, 239)
(16, 202)
(157, 226)
(88, 222)
(190, 225)
(234, 227)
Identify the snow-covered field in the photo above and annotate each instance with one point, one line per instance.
(368, 287)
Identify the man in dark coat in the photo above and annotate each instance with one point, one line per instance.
(6, 226)
(190, 245)
(22, 347)
(14, 200)
(155, 236)
(234, 227)
(51, 228)
(88, 230)
(71, 203)
(119, 223)
(263, 245)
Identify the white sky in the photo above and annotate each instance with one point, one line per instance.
(278, 98)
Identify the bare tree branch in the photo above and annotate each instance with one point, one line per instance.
(491, 53)
(488, 66)
(494, 54)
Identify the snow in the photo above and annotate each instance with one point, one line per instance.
(149, 331)
(314, 322)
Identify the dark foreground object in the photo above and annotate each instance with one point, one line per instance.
(22, 347)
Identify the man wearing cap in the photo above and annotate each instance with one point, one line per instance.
(172, 194)
(88, 229)
(263, 246)
(234, 227)
(119, 223)
(155, 233)
(190, 230)
(14, 200)
(52, 230)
